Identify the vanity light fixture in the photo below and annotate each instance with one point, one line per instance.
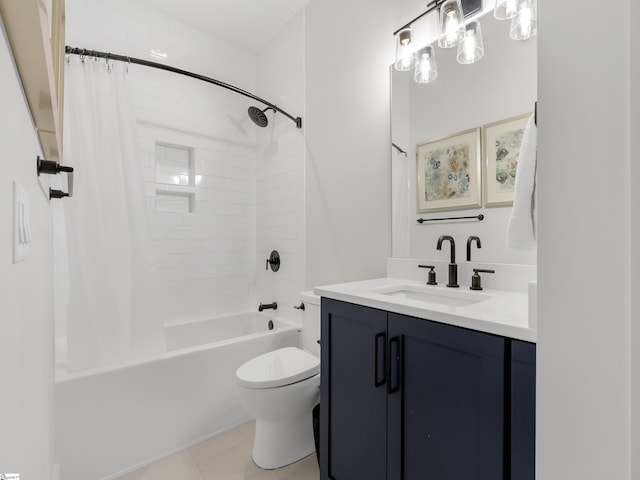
(451, 27)
(453, 32)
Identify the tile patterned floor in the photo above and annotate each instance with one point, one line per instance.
(226, 457)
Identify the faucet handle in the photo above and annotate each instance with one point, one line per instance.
(476, 281)
(432, 274)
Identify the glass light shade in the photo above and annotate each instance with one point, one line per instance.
(427, 70)
(505, 9)
(405, 54)
(471, 49)
(524, 24)
(451, 26)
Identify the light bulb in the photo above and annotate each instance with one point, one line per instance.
(524, 24)
(427, 70)
(471, 49)
(451, 27)
(505, 9)
(469, 44)
(451, 24)
(405, 56)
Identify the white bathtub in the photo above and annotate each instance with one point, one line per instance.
(110, 422)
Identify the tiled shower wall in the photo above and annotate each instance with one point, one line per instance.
(280, 222)
(208, 257)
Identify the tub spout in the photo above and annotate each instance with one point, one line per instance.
(267, 306)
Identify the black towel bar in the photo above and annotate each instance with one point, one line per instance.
(476, 217)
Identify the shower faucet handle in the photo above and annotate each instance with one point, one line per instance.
(274, 261)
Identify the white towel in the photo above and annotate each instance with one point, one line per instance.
(521, 231)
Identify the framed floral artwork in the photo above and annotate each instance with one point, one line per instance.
(448, 172)
(502, 142)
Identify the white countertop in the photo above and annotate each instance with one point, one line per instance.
(502, 313)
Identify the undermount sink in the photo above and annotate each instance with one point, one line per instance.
(452, 298)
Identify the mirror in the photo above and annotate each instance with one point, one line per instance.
(500, 86)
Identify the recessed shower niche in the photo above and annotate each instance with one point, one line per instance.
(175, 178)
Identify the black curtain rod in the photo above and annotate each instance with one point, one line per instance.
(169, 68)
(398, 148)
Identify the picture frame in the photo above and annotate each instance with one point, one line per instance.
(502, 142)
(448, 172)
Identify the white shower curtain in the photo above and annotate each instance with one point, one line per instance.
(113, 314)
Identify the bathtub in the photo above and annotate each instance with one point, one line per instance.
(113, 421)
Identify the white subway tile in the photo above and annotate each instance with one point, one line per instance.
(169, 260)
(160, 232)
(167, 219)
(176, 246)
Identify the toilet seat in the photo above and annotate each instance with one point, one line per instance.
(278, 368)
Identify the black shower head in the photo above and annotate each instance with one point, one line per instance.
(258, 117)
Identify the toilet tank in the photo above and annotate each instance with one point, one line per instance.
(311, 322)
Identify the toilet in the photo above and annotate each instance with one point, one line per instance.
(279, 389)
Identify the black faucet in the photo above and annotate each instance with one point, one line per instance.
(469, 240)
(453, 268)
(267, 306)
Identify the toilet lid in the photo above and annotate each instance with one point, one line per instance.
(278, 368)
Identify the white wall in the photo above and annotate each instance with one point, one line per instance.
(26, 323)
(500, 86)
(280, 170)
(348, 174)
(584, 294)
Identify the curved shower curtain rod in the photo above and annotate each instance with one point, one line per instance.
(168, 68)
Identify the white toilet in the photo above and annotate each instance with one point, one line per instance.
(279, 389)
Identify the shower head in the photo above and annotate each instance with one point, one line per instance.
(258, 117)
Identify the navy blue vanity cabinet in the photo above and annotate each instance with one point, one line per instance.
(523, 410)
(406, 398)
(446, 402)
(353, 405)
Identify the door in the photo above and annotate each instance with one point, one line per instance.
(446, 402)
(353, 403)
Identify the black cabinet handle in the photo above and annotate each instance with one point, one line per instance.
(380, 359)
(394, 364)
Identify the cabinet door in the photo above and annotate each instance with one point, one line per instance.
(446, 419)
(523, 410)
(353, 403)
